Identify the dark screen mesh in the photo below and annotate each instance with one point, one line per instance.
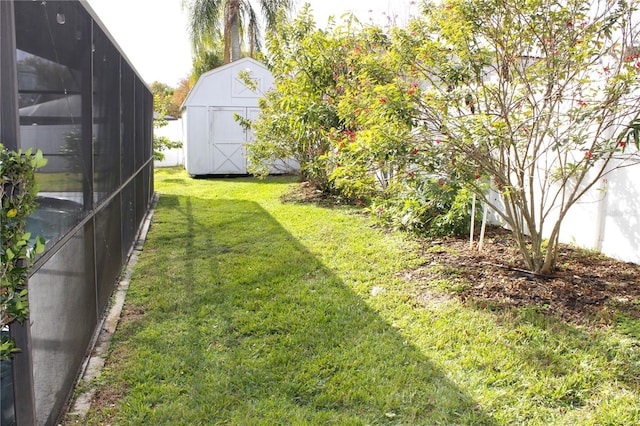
(128, 119)
(54, 95)
(128, 216)
(63, 316)
(106, 116)
(140, 128)
(109, 258)
(83, 105)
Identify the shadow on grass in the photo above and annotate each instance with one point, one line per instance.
(243, 325)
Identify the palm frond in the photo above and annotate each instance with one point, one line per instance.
(204, 22)
(271, 9)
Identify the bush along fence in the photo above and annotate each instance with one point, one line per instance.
(537, 111)
(18, 248)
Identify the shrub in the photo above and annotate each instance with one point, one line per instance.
(426, 205)
(17, 248)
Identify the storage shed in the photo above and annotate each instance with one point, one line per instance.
(214, 141)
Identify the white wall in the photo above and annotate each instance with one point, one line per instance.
(172, 157)
(615, 229)
(605, 219)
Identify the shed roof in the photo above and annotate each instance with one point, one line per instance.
(206, 80)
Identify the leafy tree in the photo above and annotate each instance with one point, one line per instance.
(539, 97)
(206, 60)
(309, 116)
(181, 92)
(230, 21)
(378, 154)
(163, 99)
(345, 108)
(298, 115)
(533, 101)
(375, 112)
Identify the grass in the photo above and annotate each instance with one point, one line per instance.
(59, 182)
(248, 311)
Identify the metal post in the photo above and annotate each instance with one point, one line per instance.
(23, 391)
(9, 120)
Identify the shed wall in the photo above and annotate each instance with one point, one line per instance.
(215, 143)
(196, 140)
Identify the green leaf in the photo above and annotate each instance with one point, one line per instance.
(10, 254)
(38, 160)
(39, 245)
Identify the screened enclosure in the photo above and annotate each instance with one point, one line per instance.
(67, 89)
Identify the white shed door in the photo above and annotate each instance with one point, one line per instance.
(252, 114)
(227, 141)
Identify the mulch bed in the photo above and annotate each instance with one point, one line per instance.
(587, 288)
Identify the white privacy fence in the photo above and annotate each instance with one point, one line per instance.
(605, 219)
(172, 157)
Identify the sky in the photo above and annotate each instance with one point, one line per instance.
(153, 33)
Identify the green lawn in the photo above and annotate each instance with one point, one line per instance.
(245, 310)
(59, 182)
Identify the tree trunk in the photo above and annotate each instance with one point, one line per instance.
(234, 29)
